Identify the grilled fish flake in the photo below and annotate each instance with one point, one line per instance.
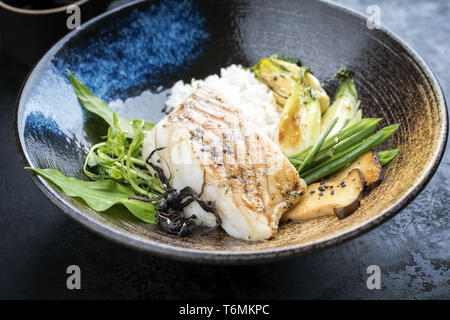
(211, 147)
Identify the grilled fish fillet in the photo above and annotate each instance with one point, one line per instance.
(211, 147)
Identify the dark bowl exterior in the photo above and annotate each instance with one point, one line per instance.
(119, 59)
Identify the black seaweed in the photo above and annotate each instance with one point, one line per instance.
(169, 212)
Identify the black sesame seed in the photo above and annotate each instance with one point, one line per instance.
(332, 192)
(321, 188)
(321, 194)
(312, 192)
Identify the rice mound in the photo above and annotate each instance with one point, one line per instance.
(241, 89)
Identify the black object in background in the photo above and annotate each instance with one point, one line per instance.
(29, 28)
(38, 4)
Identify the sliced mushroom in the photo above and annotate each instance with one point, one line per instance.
(370, 168)
(339, 197)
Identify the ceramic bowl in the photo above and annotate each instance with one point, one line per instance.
(131, 56)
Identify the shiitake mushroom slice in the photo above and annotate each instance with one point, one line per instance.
(339, 197)
(370, 168)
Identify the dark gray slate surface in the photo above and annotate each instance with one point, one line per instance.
(38, 242)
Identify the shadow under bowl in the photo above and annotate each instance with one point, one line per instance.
(131, 56)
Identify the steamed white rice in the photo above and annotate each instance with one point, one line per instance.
(240, 88)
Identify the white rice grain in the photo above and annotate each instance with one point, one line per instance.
(240, 88)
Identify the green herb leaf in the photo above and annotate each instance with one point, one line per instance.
(116, 143)
(120, 159)
(100, 195)
(99, 107)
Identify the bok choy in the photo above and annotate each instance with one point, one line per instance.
(299, 125)
(281, 75)
(345, 105)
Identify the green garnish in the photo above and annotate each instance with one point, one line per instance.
(343, 145)
(317, 145)
(96, 105)
(115, 165)
(100, 195)
(387, 156)
(340, 136)
(346, 157)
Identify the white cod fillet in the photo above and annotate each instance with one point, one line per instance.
(211, 147)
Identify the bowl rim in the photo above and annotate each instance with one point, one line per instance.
(227, 257)
(41, 11)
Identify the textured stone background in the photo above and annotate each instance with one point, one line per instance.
(38, 242)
